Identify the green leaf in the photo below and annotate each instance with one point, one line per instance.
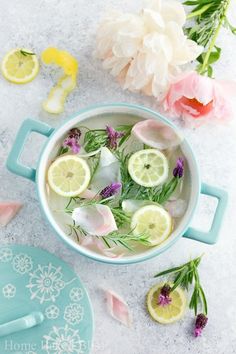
(190, 2)
(214, 56)
(209, 71)
(204, 301)
(179, 279)
(229, 26)
(24, 53)
(168, 271)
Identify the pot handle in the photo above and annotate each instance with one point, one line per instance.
(13, 164)
(212, 235)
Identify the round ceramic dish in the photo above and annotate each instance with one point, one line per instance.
(114, 114)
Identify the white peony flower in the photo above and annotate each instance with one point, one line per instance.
(146, 51)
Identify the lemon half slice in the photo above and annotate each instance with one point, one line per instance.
(148, 167)
(69, 175)
(20, 66)
(154, 221)
(168, 313)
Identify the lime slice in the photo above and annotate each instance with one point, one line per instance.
(168, 313)
(148, 167)
(69, 175)
(20, 66)
(154, 221)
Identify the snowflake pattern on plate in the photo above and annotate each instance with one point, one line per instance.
(9, 291)
(52, 312)
(5, 255)
(46, 283)
(22, 263)
(76, 294)
(63, 340)
(73, 314)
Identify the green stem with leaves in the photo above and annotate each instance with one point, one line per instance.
(213, 40)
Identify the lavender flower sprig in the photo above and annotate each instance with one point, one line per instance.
(112, 137)
(71, 142)
(200, 324)
(164, 298)
(111, 190)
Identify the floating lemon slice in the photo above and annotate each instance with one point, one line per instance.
(148, 167)
(168, 313)
(20, 66)
(69, 175)
(154, 221)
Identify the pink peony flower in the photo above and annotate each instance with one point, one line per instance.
(193, 96)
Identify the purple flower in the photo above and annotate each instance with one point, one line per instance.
(72, 140)
(113, 136)
(111, 190)
(178, 171)
(164, 298)
(200, 323)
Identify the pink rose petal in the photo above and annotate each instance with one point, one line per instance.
(118, 308)
(96, 220)
(156, 134)
(95, 242)
(176, 208)
(8, 210)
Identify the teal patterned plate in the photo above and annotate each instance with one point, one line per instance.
(44, 308)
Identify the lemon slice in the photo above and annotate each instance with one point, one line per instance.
(20, 66)
(169, 313)
(148, 167)
(69, 175)
(154, 221)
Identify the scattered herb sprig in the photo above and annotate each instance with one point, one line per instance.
(208, 16)
(186, 275)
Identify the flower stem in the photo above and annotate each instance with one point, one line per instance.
(213, 41)
(199, 12)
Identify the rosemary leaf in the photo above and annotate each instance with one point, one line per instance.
(23, 52)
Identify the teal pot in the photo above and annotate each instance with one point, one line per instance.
(114, 114)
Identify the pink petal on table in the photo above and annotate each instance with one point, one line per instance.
(8, 210)
(118, 308)
(156, 134)
(96, 220)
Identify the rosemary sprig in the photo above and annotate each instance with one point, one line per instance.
(62, 150)
(158, 194)
(209, 16)
(23, 52)
(116, 238)
(120, 217)
(185, 275)
(124, 239)
(94, 163)
(97, 138)
(127, 183)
